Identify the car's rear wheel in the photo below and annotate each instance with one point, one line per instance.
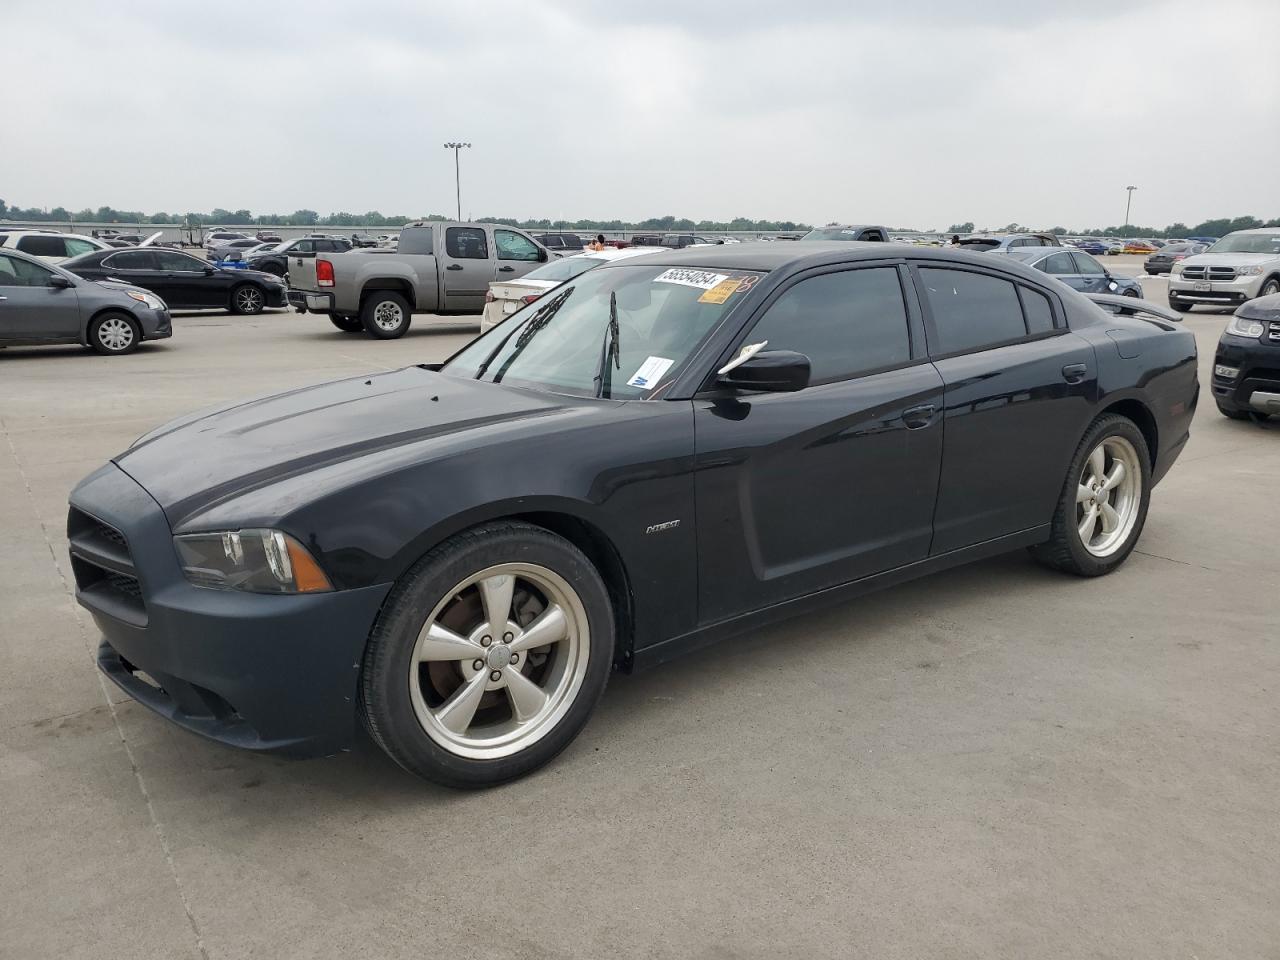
(1103, 505)
(488, 657)
(114, 334)
(385, 315)
(246, 299)
(346, 323)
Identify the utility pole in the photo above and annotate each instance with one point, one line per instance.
(457, 175)
(1127, 204)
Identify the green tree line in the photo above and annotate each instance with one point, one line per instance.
(373, 218)
(1218, 227)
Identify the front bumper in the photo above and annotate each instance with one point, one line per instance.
(304, 301)
(1258, 379)
(276, 296)
(267, 673)
(1225, 292)
(156, 324)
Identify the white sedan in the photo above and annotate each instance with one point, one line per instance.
(505, 297)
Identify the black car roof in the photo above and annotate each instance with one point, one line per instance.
(772, 256)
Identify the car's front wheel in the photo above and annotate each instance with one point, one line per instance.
(114, 334)
(247, 299)
(1103, 505)
(1270, 288)
(488, 657)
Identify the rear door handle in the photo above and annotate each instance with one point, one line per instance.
(454, 266)
(506, 269)
(917, 417)
(1074, 372)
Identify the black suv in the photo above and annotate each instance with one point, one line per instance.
(566, 244)
(1246, 368)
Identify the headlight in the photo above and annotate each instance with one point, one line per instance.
(1176, 269)
(1248, 271)
(150, 299)
(1245, 328)
(256, 561)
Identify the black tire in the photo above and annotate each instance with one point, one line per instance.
(247, 299)
(385, 315)
(1234, 414)
(1065, 550)
(386, 702)
(1179, 305)
(107, 337)
(1131, 293)
(345, 323)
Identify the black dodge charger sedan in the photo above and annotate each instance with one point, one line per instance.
(181, 280)
(659, 453)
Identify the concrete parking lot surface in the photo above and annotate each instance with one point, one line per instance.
(999, 761)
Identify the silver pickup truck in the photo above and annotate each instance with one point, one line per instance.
(438, 267)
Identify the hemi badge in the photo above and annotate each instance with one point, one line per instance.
(661, 527)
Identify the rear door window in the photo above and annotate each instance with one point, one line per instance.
(42, 246)
(971, 311)
(178, 262)
(130, 260)
(1059, 264)
(466, 243)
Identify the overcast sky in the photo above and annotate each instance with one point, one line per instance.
(911, 114)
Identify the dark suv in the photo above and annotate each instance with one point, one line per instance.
(565, 244)
(1246, 367)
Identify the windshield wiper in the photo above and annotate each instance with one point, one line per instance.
(541, 317)
(608, 351)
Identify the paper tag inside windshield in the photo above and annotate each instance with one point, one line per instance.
(650, 372)
(702, 279)
(722, 291)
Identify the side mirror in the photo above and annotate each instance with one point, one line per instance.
(208, 271)
(542, 255)
(772, 371)
(59, 282)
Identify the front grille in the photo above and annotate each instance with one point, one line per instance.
(1273, 331)
(103, 566)
(1208, 273)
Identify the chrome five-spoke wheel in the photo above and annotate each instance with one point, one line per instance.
(489, 655)
(499, 660)
(1108, 496)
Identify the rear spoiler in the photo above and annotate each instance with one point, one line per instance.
(1129, 306)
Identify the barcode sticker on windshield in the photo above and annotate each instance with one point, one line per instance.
(702, 279)
(650, 372)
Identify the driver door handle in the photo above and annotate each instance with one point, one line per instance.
(454, 266)
(506, 269)
(1074, 372)
(917, 417)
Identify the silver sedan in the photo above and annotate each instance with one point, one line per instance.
(43, 304)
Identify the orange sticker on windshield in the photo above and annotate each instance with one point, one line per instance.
(721, 292)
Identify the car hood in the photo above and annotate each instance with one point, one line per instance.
(1262, 308)
(514, 289)
(206, 458)
(1229, 259)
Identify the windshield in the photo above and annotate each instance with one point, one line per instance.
(565, 269)
(1248, 243)
(558, 342)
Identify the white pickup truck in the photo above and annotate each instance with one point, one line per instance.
(439, 267)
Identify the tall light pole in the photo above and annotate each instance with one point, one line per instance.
(457, 176)
(1127, 204)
